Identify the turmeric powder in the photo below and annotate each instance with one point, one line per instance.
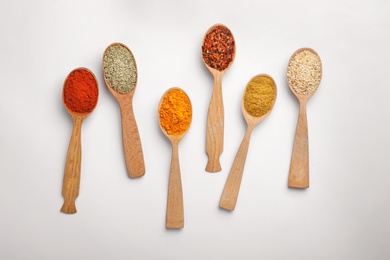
(175, 112)
(259, 96)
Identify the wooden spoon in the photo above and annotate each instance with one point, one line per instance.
(175, 208)
(71, 181)
(131, 139)
(232, 187)
(299, 167)
(215, 118)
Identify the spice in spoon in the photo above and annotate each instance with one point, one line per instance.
(80, 91)
(304, 72)
(258, 100)
(80, 95)
(218, 48)
(259, 96)
(175, 112)
(119, 68)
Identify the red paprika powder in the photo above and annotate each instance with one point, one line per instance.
(80, 91)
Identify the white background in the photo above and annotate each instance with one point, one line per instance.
(343, 215)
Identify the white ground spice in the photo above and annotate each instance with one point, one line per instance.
(304, 72)
(119, 68)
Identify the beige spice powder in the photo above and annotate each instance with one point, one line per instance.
(304, 72)
(119, 68)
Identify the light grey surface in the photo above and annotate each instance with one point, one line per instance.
(343, 215)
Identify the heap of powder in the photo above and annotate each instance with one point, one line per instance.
(80, 92)
(175, 112)
(119, 68)
(304, 72)
(218, 48)
(259, 96)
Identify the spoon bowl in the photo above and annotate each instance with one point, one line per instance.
(215, 117)
(71, 181)
(232, 187)
(304, 74)
(175, 207)
(210, 67)
(304, 92)
(123, 93)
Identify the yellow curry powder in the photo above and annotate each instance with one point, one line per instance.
(259, 96)
(175, 112)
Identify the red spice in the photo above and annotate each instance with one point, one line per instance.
(80, 91)
(218, 48)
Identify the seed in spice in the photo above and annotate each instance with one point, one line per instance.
(304, 72)
(218, 48)
(259, 96)
(80, 92)
(175, 112)
(119, 68)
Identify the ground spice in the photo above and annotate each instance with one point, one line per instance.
(175, 112)
(259, 96)
(218, 48)
(304, 72)
(80, 92)
(120, 70)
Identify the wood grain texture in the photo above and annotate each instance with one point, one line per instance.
(132, 146)
(232, 187)
(71, 181)
(175, 207)
(215, 125)
(215, 116)
(299, 167)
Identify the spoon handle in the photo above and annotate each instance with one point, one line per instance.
(299, 167)
(215, 125)
(233, 182)
(175, 208)
(131, 140)
(71, 182)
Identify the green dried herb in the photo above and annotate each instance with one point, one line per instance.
(120, 70)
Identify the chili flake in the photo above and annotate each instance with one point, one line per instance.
(218, 48)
